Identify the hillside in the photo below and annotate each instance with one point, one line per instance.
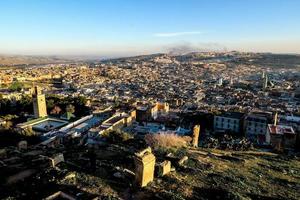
(27, 60)
(206, 174)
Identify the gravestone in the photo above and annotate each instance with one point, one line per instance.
(144, 167)
(196, 132)
(164, 168)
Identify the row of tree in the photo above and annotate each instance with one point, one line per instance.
(55, 105)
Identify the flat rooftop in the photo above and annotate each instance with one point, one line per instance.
(48, 125)
(114, 119)
(280, 129)
(44, 124)
(235, 115)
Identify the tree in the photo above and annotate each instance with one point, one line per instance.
(25, 104)
(70, 108)
(50, 104)
(16, 86)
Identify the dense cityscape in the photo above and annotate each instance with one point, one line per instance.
(69, 113)
(149, 100)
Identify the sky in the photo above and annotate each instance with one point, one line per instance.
(131, 27)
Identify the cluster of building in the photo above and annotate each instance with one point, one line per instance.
(160, 87)
(263, 128)
(260, 127)
(198, 95)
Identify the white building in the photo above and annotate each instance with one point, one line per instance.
(255, 126)
(230, 121)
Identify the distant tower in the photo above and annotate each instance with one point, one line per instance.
(276, 119)
(263, 75)
(220, 83)
(265, 82)
(231, 81)
(39, 103)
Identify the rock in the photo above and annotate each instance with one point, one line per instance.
(182, 160)
(22, 145)
(70, 176)
(57, 159)
(3, 153)
(118, 175)
(129, 172)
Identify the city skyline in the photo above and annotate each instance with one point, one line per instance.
(118, 28)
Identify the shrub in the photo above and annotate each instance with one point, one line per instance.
(166, 140)
(117, 136)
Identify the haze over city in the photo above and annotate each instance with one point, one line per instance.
(121, 28)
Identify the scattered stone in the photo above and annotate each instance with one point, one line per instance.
(57, 159)
(118, 175)
(60, 195)
(22, 145)
(170, 155)
(70, 176)
(129, 172)
(3, 153)
(182, 160)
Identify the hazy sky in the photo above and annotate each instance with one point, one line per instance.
(125, 27)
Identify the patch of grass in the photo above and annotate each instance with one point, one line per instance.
(167, 140)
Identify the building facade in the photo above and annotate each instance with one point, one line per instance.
(255, 127)
(230, 121)
(281, 137)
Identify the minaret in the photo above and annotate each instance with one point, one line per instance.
(39, 103)
(220, 82)
(263, 75)
(231, 81)
(276, 119)
(265, 82)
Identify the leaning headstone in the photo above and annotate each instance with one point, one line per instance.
(144, 167)
(164, 168)
(57, 159)
(22, 145)
(183, 160)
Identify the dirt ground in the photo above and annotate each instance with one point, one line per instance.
(207, 174)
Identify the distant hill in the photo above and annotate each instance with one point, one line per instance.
(27, 60)
(278, 60)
